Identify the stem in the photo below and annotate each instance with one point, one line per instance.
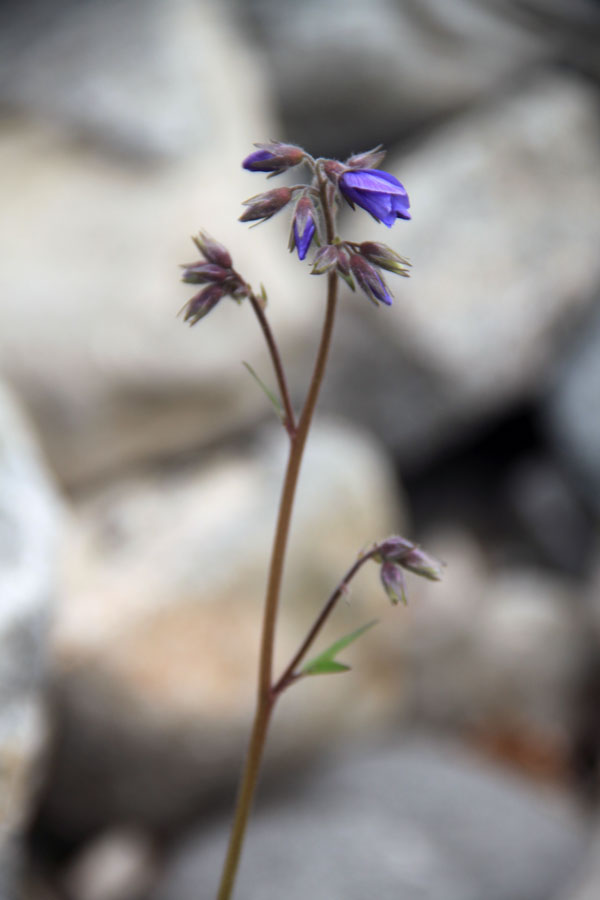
(266, 696)
(290, 419)
(289, 674)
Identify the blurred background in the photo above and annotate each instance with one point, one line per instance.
(140, 466)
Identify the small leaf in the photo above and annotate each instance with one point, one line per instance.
(325, 663)
(270, 395)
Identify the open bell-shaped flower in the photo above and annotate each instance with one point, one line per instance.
(377, 192)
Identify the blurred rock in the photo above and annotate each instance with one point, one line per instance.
(137, 77)
(349, 75)
(500, 654)
(119, 865)
(156, 643)
(503, 265)
(587, 881)
(572, 405)
(414, 820)
(29, 529)
(90, 244)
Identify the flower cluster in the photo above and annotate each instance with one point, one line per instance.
(397, 554)
(216, 272)
(357, 181)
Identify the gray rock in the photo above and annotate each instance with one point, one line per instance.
(414, 820)
(133, 76)
(499, 272)
(350, 74)
(572, 409)
(29, 530)
(156, 640)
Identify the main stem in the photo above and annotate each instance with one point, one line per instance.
(266, 696)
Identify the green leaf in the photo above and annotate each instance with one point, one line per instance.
(325, 663)
(274, 400)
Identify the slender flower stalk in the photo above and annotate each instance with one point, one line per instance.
(313, 220)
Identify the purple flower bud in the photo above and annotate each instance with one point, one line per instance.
(326, 259)
(263, 206)
(204, 273)
(369, 160)
(273, 157)
(201, 304)
(369, 280)
(333, 169)
(384, 257)
(399, 550)
(393, 581)
(212, 250)
(303, 226)
(377, 192)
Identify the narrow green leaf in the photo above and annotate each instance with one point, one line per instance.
(274, 400)
(325, 663)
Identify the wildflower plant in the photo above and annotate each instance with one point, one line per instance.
(314, 205)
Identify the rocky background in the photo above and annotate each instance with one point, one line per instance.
(140, 467)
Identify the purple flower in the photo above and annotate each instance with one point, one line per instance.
(393, 581)
(273, 157)
(201, 304)
(303, 227)
(377, 192)
(263, 206)
(369, 280)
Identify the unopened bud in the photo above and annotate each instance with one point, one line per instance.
(201, 304)
(273, 157)
(204, 273)
(393, 581)
(303, 226)
(263, 206)
(383, 256)
(369, 280)
(212, 250)
(369, 160)
(408, 555)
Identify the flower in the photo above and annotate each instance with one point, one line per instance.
(273, 157)
(212, 250)
(394, 582)
(201, 304)
(408, 555)
(303, 226)
(263, 206)
(369, 280)
(377, 192)
(384, 257)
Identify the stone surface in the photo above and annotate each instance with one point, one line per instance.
(90, 244)
(412, 820)
(155, 646)
(571, 409)
(350, 75)
(501, 652)
(29, 531)
(499, 273)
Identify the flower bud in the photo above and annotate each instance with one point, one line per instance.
(369, 160)
(204, 273)
(369, 280)
(212, 250)
(303, 226)
(273, 157)
(393, 581)
(383, 256)
(201, 304)
(408, 555)
(333, 169)
(263, 206)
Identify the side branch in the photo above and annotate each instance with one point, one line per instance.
(290, 419)
(290, 673)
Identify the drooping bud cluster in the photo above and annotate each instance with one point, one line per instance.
(358, 181)
(216, 272)
(397, 554)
